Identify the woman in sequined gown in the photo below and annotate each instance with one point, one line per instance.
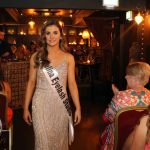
(49, 117)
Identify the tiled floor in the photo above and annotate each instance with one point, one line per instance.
(86, 134)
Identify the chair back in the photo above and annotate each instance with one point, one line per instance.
(125, 121)
(3, 110)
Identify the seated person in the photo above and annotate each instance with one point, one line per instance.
(14, 50)
(91, 56)
(139, 139)
(5, 89)
(33, 47)
(5, 50)
(137, 76)
(22, 52)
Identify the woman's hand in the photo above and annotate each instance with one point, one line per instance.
(77, 116)
(27, 117)
(115, 89)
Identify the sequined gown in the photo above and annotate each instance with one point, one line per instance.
(50, 120)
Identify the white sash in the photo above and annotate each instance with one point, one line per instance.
(53, 79)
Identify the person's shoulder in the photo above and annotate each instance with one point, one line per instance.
(123, 92)
(68, 56)
(67, 53)
(122, 96)
(33, 55)
(146, 90)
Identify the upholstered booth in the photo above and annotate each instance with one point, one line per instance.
(125, 121)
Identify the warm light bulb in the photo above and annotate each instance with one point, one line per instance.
(88, 61)
(31, 23)
(61, 23)
(138, 18)
(85, 34)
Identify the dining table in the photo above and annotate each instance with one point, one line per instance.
(88, 70)
(88, 73)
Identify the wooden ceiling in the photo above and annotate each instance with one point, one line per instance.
(11, 12)
(71, 17)
(21, 16)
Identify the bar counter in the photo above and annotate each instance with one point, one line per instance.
(16, 73)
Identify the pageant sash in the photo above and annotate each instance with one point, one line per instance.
(53, 79)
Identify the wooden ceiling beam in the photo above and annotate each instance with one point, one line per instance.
(79, 15)
(13, 13)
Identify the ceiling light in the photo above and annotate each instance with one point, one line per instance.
(46, 13)
(129, 15)
(110, 3)
(138, 18)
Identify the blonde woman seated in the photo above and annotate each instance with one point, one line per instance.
(137, 76)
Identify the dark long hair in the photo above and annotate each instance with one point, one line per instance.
(41, 58)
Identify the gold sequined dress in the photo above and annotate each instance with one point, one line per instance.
(50, 119)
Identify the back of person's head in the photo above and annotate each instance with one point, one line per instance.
(141, 70)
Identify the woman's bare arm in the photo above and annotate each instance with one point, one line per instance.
(73, 88)
(29, 91)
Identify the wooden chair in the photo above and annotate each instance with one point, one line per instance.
(125, 121)
(7, 127)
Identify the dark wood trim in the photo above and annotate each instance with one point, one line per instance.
(72, 4)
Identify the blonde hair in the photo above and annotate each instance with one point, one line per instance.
(139, 69)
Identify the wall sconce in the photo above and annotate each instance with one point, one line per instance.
(81, 42)
(22, 32)
(61, 23)
(85, 34)
(80, 33)
(31, 24)
(129, 15)
(86, 38)
(138, 19)
(110, 3)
